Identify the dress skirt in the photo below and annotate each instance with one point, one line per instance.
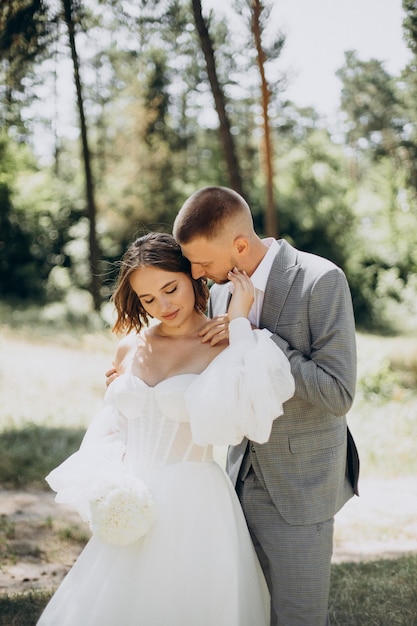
(196, 566)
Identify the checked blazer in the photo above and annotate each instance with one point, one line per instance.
(310, 464)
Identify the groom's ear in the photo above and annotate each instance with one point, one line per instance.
(241, 245)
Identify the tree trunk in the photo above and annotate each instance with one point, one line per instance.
(226, 137)
(95, 283)
(271, 219)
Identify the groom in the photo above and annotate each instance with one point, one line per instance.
(291, 487)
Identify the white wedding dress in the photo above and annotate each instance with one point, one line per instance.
(196, 565)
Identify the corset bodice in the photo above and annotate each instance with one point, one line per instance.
(157, 421)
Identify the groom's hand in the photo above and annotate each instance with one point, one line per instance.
(216, 330)
(111, 375)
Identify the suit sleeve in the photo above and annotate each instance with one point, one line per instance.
(326, 377)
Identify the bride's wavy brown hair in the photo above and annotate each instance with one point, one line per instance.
(152, 250)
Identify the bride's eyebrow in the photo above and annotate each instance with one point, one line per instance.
(168, 284)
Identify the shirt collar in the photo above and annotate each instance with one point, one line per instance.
(260, 275)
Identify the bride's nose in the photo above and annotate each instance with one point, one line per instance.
(165, 303)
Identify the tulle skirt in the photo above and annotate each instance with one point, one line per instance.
(195, 567)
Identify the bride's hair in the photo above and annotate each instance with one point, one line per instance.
(152, 250)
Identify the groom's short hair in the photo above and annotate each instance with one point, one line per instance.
(206, 212)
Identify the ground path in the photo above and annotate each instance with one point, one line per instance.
(382, 523)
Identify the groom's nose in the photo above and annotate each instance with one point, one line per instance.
(197, 272)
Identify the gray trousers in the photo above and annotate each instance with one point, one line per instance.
(295, 559)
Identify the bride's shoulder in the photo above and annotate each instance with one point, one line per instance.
(126, 347)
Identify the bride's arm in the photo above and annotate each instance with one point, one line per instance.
(123, 350)
(243, 389)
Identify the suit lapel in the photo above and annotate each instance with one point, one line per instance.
(281, 277)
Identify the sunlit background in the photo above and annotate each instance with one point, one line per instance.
(341, 182)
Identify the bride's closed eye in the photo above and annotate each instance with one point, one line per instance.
(169, 292)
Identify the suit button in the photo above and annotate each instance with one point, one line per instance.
(252, 448)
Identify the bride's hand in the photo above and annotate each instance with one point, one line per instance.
(216, 330)
(243, 295)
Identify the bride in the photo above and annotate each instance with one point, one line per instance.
(170, 545)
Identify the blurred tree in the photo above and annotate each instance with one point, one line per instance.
(260, 19)
(32, 242)
(381, 117)
(226, 136)
(25, 36)
(410, 24)
(369, 99)
(409, 79)
(315, 211)
(71, 14)
(28, 28)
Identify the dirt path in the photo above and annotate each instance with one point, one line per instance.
(40, 540)
(381, 523)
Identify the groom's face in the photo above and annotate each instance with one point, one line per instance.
(211, 259)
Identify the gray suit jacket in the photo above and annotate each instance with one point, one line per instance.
(310, 464)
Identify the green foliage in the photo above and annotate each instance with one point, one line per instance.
(25, 35)
(314, 209)
(410, 24)
(380, 383)
(381, 115)
(154, 137)
(383, 267)
(371, 102)
(38, 221)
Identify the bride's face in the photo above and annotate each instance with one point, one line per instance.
(166, 296)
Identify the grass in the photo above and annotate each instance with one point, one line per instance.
(378, 593)
(375, 593)
(27, 454)
(51, 384)
(22, 609)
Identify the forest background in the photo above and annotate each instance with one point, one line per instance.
(167, 101)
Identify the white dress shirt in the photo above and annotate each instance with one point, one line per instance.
(259, 279)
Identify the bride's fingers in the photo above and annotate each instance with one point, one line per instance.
(241, 279)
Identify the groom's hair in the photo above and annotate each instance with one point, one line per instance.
(207, 212)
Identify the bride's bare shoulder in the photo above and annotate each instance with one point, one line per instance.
(126, 347)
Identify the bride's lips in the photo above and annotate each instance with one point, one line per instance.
(170, 316)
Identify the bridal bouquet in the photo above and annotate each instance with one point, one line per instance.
(120, 511)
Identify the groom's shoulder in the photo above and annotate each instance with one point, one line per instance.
(308, 262)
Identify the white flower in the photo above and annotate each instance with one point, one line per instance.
(121, 511)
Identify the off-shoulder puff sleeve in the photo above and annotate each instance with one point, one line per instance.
(100, 456)
(242, 390)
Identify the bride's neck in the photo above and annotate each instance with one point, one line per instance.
(189, 330)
